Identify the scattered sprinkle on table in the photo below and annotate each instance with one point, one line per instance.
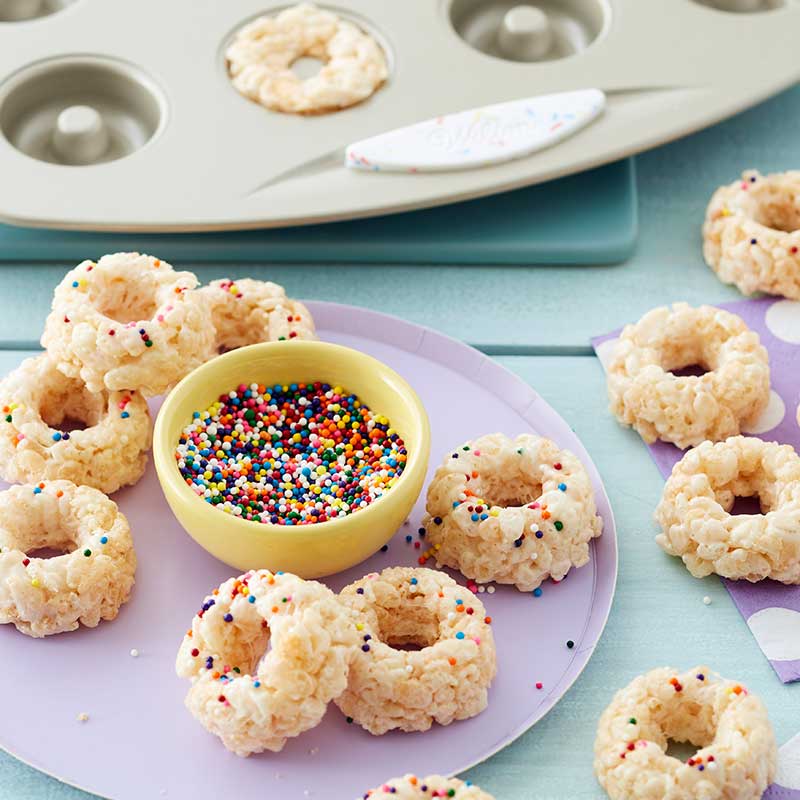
(707, 600)
(134, 653)
(83, 717)
(294, 454)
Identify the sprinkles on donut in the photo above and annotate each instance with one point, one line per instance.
(413, 788)
(514, 511)
(751, 234)
(737, 754)
(266, 653)
(446, 679)
(87, 583)
(37, 403)
(247, 311)
(128, 322)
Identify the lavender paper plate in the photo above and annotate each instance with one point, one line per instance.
(140, 742)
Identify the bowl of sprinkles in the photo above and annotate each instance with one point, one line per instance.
(297, 456)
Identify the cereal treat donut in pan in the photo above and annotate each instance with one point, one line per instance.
(689, 409)
(36, 400)
(694, 512)
(413, 788)
(252, 697)
(751, 235)
(513, 511)
(737, 758)
(261, 55)
(248, 312)
(91, 579)
(128, 321)
(447, 679)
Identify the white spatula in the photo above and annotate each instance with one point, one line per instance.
(479, 137)
(464, 140)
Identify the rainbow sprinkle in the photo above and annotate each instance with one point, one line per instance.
(295, 454)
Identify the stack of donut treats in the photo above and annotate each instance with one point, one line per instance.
(75, 425)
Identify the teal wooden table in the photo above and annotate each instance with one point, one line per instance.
(537, 321)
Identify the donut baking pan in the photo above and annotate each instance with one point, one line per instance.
(121, 116)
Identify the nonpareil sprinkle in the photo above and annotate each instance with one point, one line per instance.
(290, 455)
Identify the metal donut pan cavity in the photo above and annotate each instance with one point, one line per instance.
(138, 127)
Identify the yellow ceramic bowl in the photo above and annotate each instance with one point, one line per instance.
(310, 551)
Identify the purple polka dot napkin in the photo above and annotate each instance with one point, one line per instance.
(772, 610)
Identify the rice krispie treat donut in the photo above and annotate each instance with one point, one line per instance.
(413, 788)
(92, 578)
(688, 409)
(751, 235)
(266, 653)
(513, 511)
(446, 680)
(128, 321)
(247, 312)
(37, 402)
(695, 519)
(261, 55)
(737, 758)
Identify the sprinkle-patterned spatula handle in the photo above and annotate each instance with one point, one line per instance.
(478, 137)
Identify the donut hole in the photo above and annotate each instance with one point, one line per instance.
(410, 647)
(67, 424)
(123, 301)
(44, 540)
(45, 553)
(513, 489)
(262, 647)
(308, 66)
(683, 751)
(691, 370)
(745, 506)
(253, 643)
(67, 405)
(410, 626)
(684, 352)
(691, 359)
(780, 211)
(751, 493)
(680, 726)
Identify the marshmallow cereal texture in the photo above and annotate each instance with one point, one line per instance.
(737, 754)
(447, 679)
(261, 55)
(695, 519)
(514, 511)
(266, 653)
(411, 787)
(751, 235)
(248, 311)
(88, 582)
(688, 409)
(36, 400)
(128, 322)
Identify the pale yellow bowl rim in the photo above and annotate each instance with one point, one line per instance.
(163, 450)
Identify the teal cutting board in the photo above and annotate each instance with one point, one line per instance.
(589, 218)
